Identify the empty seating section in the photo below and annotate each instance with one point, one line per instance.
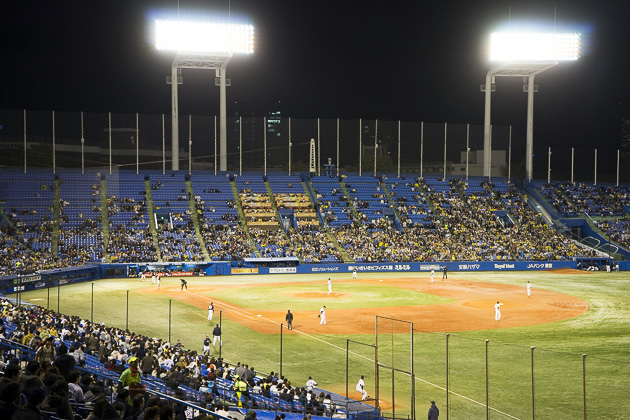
(331, 201)
(28, 203)
(368, 199)
(130, 238)
(175, 229)
(80, 226)
(214, 199)
(410, 201)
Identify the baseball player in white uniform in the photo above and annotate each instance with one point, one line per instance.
(322, 315)
(310, 384)
(210, 311)
(529, 289)
(142, 276)
(432, 274)
(158, 281)
(361, 388)
(329, 286)
(152, 278)
(354, 273)
(497, 311)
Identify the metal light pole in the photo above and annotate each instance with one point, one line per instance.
(525, 55)
(215, 54)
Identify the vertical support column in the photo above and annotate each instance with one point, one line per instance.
(174, 117)
(510, 156)
(467, 148)
(375, 145)
(487, 392)
(215, 145)
(265, 143)
(24, 141)
(170, 303)
(319, 151)
(82, 147)
(137, 145)
(595, 179)
(529, 147)
(572, 161)
(338, 163)
(617, 167)
(240, 146)
(533, 393)
(110, 142)
(376, 370)
(54, 146)
(413, 378)
(421, 146)
(163, 146)
(189, 144)
(486, 125)
(223, 115)
(398, 148)
(447, 391)
(490, 156)
(445, 130)
(549, 166)
(290, 144)
(584, 385)
(360, 144)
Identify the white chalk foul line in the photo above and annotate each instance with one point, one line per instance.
(361, 356)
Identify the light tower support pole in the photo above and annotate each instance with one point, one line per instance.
(217, 62)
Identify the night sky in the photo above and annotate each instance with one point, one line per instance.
(413, 61)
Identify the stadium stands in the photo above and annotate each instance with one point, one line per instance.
(323, 219)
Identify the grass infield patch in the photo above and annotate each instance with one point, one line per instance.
(309, 296)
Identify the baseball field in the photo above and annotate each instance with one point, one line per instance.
(561, 353)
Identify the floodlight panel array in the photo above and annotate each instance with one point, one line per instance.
(203, 37)
(531, 46)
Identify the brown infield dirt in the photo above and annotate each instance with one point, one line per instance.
(472, 308)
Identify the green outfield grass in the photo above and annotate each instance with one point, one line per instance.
(602, 334)
(353, 296)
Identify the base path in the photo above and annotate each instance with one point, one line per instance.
(473, 308)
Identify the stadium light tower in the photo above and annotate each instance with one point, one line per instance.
(206, 46)
(526, 55)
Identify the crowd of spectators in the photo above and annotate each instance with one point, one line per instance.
(312, 245)
(438, 220)
(226, 242)
(52, 383)
(571, 199)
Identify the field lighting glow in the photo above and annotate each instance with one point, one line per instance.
(532, 46)
(203, 37)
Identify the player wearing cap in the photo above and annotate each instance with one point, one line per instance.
(434, 412)
(361, 388)
(310, 384)
(206, 345)
(131, 375)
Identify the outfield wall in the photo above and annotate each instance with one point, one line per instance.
(92, 272)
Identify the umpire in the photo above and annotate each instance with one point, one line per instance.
(289, 319)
